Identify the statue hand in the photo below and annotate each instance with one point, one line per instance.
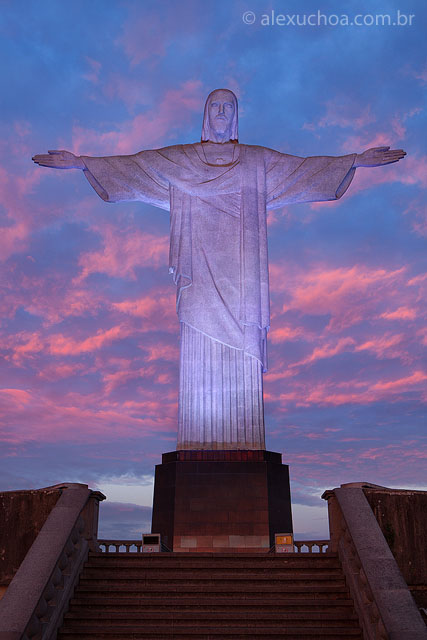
(59, 160)
(378, 156)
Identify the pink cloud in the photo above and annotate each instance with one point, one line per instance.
(17, 396)
(62, 345)
(158, 309)
(123, 252)
(333, 393)
(417, 212)
(385, 346)
(32, 344)
(31, 348)
(146, 37)
(49, 297)
(393, 465)
(401, 384)
(117, 379)
(124, 376)
(13, 239)
(128, 90)
(347, 294)
(14, 191)
(402, 313)
(421, 278)
(94, 70)
(327, 351)
(393, 131)
(392, 452)
(80, 419)
(284, 334)
(418, 74)
(343, 112)
(145, 130)
(22, 127)
(55, 371)
(422, 334)
(275, 374)
(163, 352)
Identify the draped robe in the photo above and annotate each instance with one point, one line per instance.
(218, 258)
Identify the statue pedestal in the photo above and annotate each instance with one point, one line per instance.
(223, 501)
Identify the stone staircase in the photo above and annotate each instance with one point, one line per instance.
(123, 596)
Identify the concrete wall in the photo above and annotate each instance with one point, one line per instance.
(22, 515)
(402, 516)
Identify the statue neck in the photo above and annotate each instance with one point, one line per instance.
(219, 137)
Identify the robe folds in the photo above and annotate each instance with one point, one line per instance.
(218, 258)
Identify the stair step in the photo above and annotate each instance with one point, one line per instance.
(210, 604)
(231, 583)
(178, 591)
(178, 615)
(225, 626)
(153, 632)
(104, 604)
(141, 563)
(230, 574)
(158, 560)
(212, 556)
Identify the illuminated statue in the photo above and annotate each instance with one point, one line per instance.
(218, 192)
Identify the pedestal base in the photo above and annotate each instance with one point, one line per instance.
(221, 500)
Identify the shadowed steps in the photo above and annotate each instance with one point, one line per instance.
(129, 596)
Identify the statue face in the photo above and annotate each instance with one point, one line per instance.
(221, 112)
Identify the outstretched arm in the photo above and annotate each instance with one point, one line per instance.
(59, 160)
(378, 156)
(117, 178)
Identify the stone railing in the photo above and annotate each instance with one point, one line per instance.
(311, 546)
(37, 597)
(122, 546)
(381, 597)
(135, 546)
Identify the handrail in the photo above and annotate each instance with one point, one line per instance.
(135, 546)
(381, 597)
(37, 597)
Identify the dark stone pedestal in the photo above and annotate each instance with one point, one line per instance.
(221, 500)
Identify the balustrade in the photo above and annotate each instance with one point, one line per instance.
(135, 546)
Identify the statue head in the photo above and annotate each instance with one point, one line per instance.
(220, 118)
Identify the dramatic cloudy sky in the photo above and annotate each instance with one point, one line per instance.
(89, 336)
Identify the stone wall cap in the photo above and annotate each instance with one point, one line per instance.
(362, 485)
(374, 487)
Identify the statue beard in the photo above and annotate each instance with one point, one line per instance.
(221, 127)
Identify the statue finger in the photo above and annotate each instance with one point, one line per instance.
(41, 158)
(395, 155)
(395, 152)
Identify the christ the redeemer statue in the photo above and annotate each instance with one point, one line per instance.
(218, 192)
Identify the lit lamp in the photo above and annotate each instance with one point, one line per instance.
(284, 543)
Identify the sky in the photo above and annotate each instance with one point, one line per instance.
(89, 335)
